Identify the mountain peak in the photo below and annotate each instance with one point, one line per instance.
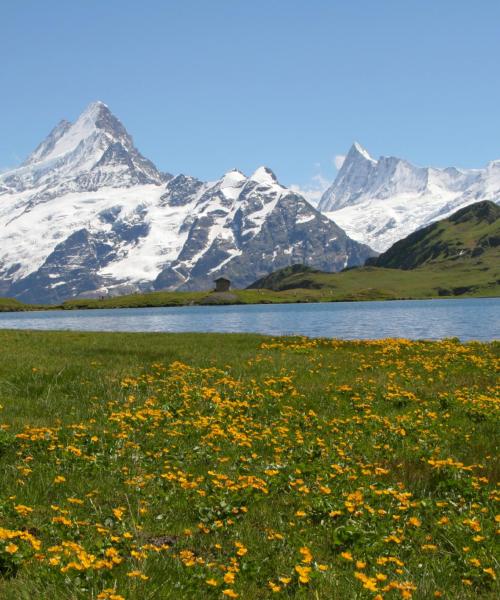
(94, 109)
(352, 178)
(97, 104)
(96, 140)
(231, 177)
(98, 116)
(356, 151)
(231, 183)
(65, 138)
(264, 175)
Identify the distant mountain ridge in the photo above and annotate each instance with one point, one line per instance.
(87, 215)
(381, 201)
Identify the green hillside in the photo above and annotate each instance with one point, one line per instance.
(453, 257)
(376, 283)
(12, 305)
(471, 232)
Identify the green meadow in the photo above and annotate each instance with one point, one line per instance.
(158, 466)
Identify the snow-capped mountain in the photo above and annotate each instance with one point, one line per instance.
(241, 226)
(378, 202)
(87, 214)
(93, 152)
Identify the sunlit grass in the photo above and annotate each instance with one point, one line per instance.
(211, 466)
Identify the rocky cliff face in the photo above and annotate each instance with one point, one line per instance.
(87, 215)
(240, 226)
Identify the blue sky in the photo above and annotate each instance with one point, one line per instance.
(207, 85)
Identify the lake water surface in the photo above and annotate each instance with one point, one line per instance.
(467, 319)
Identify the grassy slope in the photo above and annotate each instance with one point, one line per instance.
(189, 298)
(12, 305)
(471, 232)
(170, 299)
(462, 277)
(324, 426)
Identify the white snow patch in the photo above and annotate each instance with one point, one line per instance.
(231, 184)
(305, 219)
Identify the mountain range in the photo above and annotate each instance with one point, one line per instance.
(87, 215)
(381, 201)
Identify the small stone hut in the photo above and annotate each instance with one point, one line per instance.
(222, 284)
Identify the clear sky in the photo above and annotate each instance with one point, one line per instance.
(207, 85)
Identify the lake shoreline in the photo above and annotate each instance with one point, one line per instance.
(100, 304)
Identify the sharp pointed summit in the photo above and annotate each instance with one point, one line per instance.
(96, 107)
(93, 151)
(357, 151)
(66, 136)
(351, 179)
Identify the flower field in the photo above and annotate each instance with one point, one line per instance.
(208, 466)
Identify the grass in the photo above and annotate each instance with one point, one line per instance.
(13, 305)
(160, 466)
(460, 278)
(184, 299)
